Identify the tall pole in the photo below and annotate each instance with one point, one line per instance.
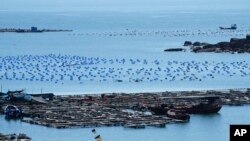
(1, 88)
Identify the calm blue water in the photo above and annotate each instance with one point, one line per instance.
(102, 18)
(157, 24)
(150, 47)
(201, 127)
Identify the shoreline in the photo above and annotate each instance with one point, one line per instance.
(235, 45)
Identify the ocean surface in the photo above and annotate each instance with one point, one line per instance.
(118, 46)
(117, 30)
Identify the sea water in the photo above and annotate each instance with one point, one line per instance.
(92, 22)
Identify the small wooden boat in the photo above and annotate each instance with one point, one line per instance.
(178, 114)
(12, 111)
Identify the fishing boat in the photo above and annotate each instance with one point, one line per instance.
(202, 105)
(12, 111)
(16, 94)
(178, 114)
(233, 27)
(190, 104)
(19, 95)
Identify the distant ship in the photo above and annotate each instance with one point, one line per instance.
(233, 27)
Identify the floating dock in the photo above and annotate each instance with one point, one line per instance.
(121, 109)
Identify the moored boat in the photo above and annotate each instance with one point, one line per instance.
(178, 114)
(190, 104)
(12, 111)
(204, 105)
(233, 27)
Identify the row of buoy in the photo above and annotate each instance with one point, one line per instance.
(165, 33)
(62, 68)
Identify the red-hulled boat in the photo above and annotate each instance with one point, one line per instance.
(203, 105)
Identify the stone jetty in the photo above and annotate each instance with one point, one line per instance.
(116, 109)
(236, 45)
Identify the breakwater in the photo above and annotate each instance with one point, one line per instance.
(136, 110)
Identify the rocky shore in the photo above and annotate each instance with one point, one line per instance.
(117, 109)
(174, 49)
(236, 45)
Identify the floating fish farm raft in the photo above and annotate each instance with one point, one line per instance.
(14, 137)
(136, 110)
